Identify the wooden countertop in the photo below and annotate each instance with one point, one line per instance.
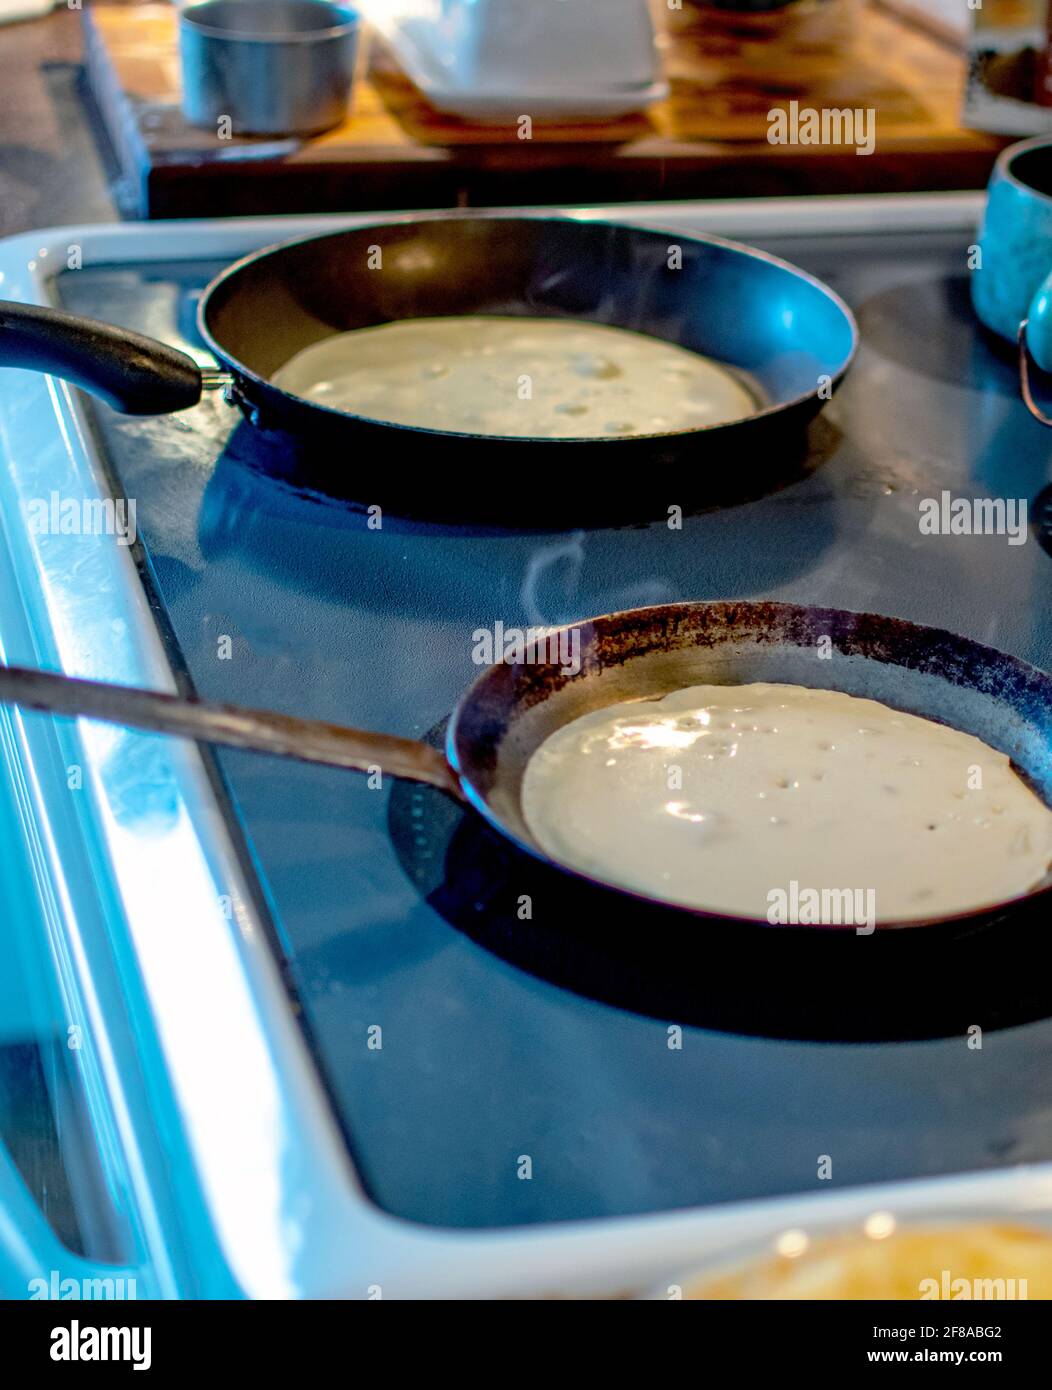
(51, 170)
(709, 139)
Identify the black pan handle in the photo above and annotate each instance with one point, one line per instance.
(134, 374)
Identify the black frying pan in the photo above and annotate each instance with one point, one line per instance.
(787, 333)
(510, 709)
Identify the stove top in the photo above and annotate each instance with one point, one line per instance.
(489, 1072)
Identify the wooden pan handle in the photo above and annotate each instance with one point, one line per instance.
(232, 726)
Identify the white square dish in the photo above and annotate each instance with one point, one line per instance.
(552, 59)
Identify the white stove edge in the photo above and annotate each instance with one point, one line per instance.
(285, 1209)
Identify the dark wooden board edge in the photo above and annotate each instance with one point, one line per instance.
(146, 186)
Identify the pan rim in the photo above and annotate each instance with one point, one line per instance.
(504, 215)
(339, 29)
(781, 608)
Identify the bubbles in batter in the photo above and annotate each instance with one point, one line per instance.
(520, 377)
(716, 795)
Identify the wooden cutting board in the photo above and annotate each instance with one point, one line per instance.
(709, 139)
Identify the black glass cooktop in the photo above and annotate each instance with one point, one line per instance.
(639, 1067)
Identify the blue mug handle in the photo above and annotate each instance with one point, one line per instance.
(1035, 343)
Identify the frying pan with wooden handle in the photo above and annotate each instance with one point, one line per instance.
(510, 709)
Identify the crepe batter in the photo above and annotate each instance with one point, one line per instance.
(545, 378)
(715, 795)
(980, 1260)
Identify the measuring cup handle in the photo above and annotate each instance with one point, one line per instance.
(1035, 345)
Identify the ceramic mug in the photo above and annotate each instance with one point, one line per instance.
(1012, 284)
